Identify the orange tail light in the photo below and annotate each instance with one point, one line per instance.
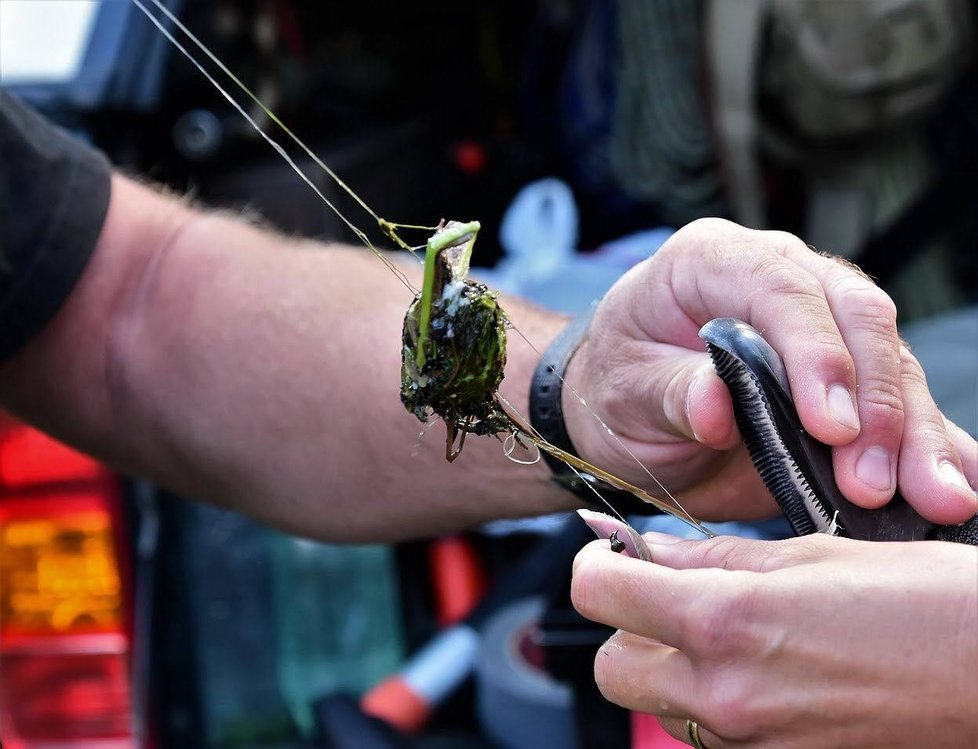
(65, 639)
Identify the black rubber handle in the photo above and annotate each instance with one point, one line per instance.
(790, 461)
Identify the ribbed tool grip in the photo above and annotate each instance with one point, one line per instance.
(794, 466)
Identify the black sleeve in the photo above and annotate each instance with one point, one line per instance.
(54, 193)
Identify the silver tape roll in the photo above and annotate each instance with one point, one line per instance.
(520, 706)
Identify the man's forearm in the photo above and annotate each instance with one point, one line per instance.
(241, 367)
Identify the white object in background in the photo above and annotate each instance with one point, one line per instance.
(539, 231)
(44, 42)
(539, 235)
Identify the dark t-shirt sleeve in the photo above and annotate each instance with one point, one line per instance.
(54, 193)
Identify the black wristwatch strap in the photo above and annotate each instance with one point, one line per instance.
(546, 409)
(547, 418)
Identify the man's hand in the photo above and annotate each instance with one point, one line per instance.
(810, 642)
(855, 385)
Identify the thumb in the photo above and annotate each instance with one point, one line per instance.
(701, 407)
(735, 553)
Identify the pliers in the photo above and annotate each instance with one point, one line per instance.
(795, 467)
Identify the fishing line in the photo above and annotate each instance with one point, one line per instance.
(387, 227)
(271, 115)
(534, 433)
(616, 437)
(272, 142)
(416, 449)
(509, 447)
(588, 473)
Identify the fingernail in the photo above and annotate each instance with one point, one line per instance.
(602, 525)
(841, 406)
(628, 540)
(693, 393)
(874, 469)
(951, 475)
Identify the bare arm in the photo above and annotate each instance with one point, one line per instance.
(244, 368)
(262, 373)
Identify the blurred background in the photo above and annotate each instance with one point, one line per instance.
(581, 133)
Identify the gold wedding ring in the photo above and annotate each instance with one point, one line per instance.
(693, 732)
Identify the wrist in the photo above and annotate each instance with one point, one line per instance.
(557, 411)
(578, 419)
(549, 390)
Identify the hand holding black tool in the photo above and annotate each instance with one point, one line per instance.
(795, 467)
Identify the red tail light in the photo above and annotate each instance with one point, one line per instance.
(65, 639)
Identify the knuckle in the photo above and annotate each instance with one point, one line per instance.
(774, 275)
(910, 368)
(610, 675)
(830, 350)
(699, 235)
(729, 704)
(865, 300)
(770, 272)
(724, 552)
(707, 227)
(882, 405)
(933, 435)
(718, 626)
(785, 242)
